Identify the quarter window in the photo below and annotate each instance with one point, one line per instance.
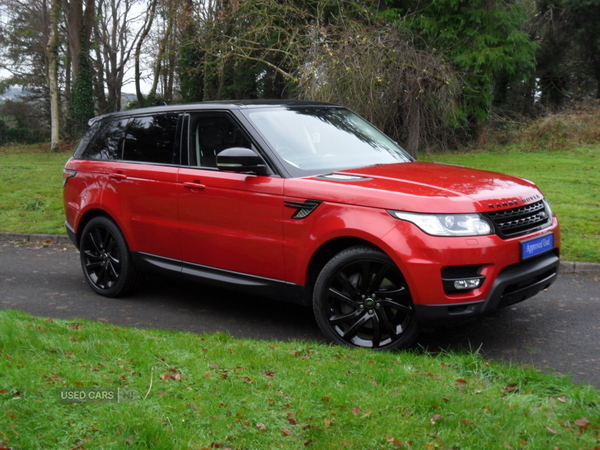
(107, 142)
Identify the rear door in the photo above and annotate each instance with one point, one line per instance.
(228, 221)
(141, 185)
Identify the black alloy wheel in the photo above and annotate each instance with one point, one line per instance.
(361, 299)
(106, 260)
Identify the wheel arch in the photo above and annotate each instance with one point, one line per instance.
(86, 218)
(327, 251)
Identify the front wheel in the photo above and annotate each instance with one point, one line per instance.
(361, 299)
(106, 259)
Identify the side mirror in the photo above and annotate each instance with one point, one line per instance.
(241, 160)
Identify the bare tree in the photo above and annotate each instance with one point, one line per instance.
(144, 32)
(160, 41)
(117, 31)
(349, 58)
(377, 71)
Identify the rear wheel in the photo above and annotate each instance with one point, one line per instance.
(106, 260)
(362, 299)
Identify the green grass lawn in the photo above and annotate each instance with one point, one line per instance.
(214, 391)
(31, 189)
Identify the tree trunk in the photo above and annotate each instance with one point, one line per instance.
(414, 126)
(51, 52)
(138, 52)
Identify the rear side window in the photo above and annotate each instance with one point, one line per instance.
(148, 139)
(104, 140)
(151, 139)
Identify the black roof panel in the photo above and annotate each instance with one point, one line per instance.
(219, 104)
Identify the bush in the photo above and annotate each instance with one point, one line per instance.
(9, 135)
(575, 126)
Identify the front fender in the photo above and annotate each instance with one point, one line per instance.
(330, 221)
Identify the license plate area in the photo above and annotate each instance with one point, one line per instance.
(537, 246)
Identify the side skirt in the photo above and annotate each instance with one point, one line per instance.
(225, 279)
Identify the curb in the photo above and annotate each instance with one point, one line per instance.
(579, 267)
(26, 238)
(567, 267)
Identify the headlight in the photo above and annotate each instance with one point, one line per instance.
(447, 224)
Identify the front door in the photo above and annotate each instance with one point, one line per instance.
(228, 221)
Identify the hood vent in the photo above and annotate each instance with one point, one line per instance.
(342, 177)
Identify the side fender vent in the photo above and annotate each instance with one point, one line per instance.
(303, 209)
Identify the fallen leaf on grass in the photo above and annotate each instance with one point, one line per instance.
(582, 423)
(173, 375)
(53, 377)
(551, 430)
(261, 426)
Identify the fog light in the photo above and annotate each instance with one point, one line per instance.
(468, 283)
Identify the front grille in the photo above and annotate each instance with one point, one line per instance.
(522, 220)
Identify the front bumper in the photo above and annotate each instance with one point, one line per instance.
(513, 284)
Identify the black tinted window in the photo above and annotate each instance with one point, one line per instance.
(151, 139)
(107, 140)
(210, 134)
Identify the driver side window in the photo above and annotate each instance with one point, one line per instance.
(209, 135)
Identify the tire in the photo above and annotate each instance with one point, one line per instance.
(361, 299)
(106, 260)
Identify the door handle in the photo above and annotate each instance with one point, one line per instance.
(194, 185)
(118, 176)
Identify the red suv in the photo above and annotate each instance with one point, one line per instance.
(304, 202)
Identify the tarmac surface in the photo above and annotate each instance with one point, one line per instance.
(557, 331)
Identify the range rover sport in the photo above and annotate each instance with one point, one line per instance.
(304, 202)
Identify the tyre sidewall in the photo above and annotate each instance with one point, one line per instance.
(128, 275)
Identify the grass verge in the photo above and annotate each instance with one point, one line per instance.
(215, 391)
(31, 188)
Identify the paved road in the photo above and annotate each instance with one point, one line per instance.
(558, 330)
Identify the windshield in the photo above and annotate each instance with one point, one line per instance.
(311, 140)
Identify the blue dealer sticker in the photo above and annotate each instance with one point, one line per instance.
(536, 246)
